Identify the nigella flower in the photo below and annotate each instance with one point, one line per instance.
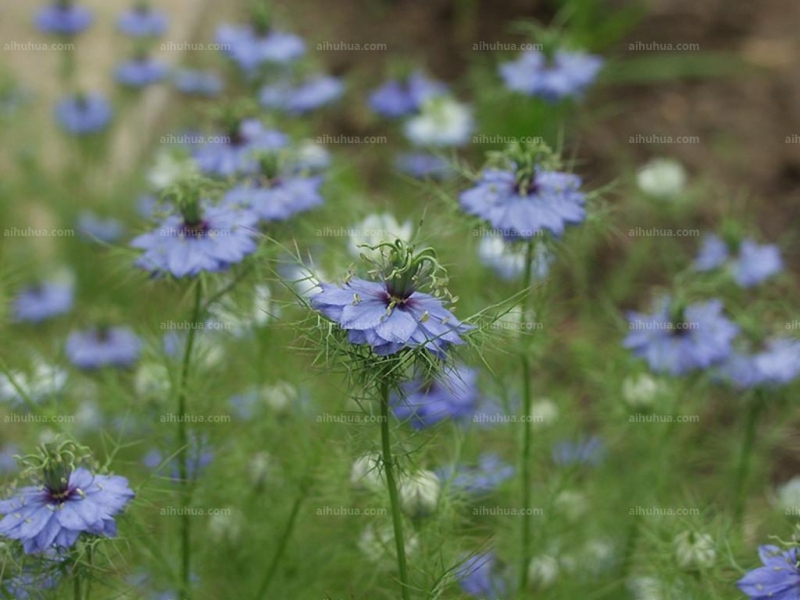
(276, 197)
(508, 261)
(197, 82)
(662, 178)
(374, 230)
(250, 48)
(587, 451)
(8, 463)
(748, 262)
(107, 230)
(309, 95)
(142, 21)
(400, 98)
(391, 315)
(478, 479)
(43, 301)
(44, 381)
(777, 364)
(452, 395)
(442, 122)
(422, 165)
(678, 340)
(103, 346)
(69, 501)
(778, 579)
(83, 113)
(140, 72)
(480, 577)
(310, 156)
(235, 152)
(63, 17)
(549, 201)
(566, 74)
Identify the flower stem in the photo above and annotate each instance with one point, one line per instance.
(743, 469)
(388, 465)
(525, 452)
(183, 456)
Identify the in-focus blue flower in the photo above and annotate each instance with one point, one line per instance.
(478, 479)
(56, 513)
(142, 21)
(140, 72)
(235, 153)
(452, 395)
(197, 82)
(83, 113)
(400, 98)
(548, 203)
(277, 198)
(478, 576)
(63, 18)
(749, 264)
(588, 451)
(250, 49)
(678, 341)
(778, 579)
(103, 346)
(309, 95)
(107, 230)
(422, 165)
(40, 302)
(222, 236)
(567, 74)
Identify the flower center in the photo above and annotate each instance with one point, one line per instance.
(194, 230)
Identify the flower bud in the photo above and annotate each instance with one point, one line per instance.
(694, 550)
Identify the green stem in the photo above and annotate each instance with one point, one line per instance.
(388, 466)
(743, 469)
(183, 443)
(76, 587)
(525, 453)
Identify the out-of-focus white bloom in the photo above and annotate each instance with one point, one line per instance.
(168, 168)
(640, 391)
(787, 497)
(209, 351)
(694, 550)
(229, 316)
(419, 493)
(225, 526)
(88, 416)
(543, 571)
(304, 281)
(259, 468)
(508, 260)
(442, 122)
(47, 436)
(375, 229)
(280, 396)
(366, 472)
(648, 588)
(152, 380)
(312, 156)
(599, 553)
(662, 178)
(544, 412)
(571, 504)
(45, 380)
(377, 544)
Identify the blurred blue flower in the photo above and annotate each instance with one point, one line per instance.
(549, 203)
(55, 513)
(8, 464)
(197, 82)
(478, 576)
(279, 198)
(779, 363)
(223, 236)
(422, 165)
(250, 49)
(30, 584)
(106, 230)
(142, 21)
(140, 72)
(43, 301)
(235, 153)
(750, 264)
(83, 113)
(199, 456)
(309, 95)
(478, 479)
(103, 346)
(63, 18)
(400, 98)
(778, 579)
(567, 74)
(452, 395)
(678, 341)
(587, 451)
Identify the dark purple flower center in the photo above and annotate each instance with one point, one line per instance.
(194, 230)
(102, 334)
(237, 138)
(62, 494)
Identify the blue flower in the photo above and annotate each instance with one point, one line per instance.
(199, 457)
(588, 451)
(33, 583)
(63, 18)
(83, 113)
(779, 363)
(142, 21)
(568, 74)
(235, 153)
(778, 579)
(397, 98)
(140, 72)
(107, 230)
(752, 263)
(103, 346)
(197, 82)
(679, 341)
(56, 514)
(250, 49)
(479, 479)
(424, 403)
(278, 198)
(478, 576)
(389, 320)
(221, 237)
(422, 165)
(38, 303)
(549, 203)
(313, 93)
(8, 464)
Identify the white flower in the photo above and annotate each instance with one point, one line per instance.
(279, 396)
(508, 260)
(366, 472)
(787, 497)
(662, 178)
(230, 316)
(377, 544)
(571, 504)
(648, 588)
(259, 468)
(419, 493)
(304, 281)
(640, 391)
(225, 526)
(312, 156)
(168, 168)
(45, 380)
(151, 379)
(543, 571)
(599, 553)
(694, 550)
(88, 416)
(375, 229)
(442, 122)
(544, 412)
